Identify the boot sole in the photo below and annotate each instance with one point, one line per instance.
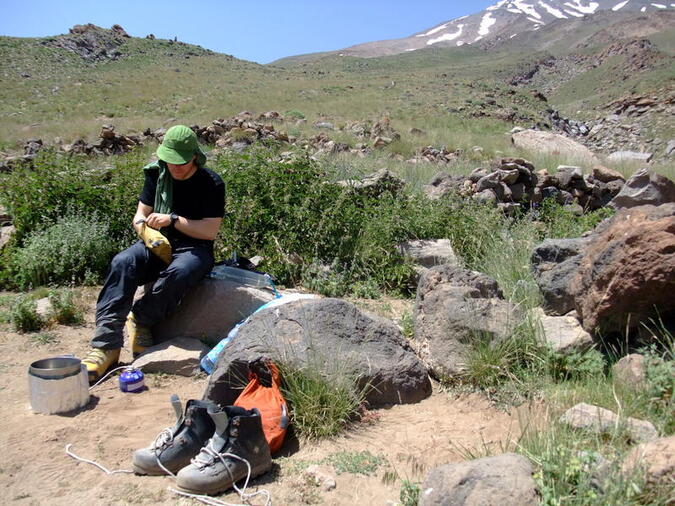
(150, 472)
(255, 472)
(110, 368)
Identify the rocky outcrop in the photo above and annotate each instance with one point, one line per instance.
(455, 308)
(603, 421)
(645, 188)
(429, 253)
(627, 272)
(331, 336)
(505, 480)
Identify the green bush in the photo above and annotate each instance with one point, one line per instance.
(76, 249)
(320, 407)
(58, 185)
(574, 366)
(24, 315)
(64, 310)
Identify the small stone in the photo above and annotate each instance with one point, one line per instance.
(629, 156)
(43, 307)
(655, 458)
(603, 421)
(565, 334)
(321, 477)
(630, 371)
(178, 356)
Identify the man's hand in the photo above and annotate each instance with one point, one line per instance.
(155, 241)
(157, 220)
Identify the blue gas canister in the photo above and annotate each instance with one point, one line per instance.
(132, 381)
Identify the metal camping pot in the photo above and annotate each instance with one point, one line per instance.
(58, 385)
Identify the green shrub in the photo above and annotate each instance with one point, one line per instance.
(64, 310)
(24, 315)
(409, 494)
(58, 185)
(320, 407)
(294, 114)
(574, 366)
(354, 462)
(75, 249)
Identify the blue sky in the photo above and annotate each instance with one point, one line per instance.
(260, 31)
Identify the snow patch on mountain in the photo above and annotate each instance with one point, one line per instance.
(433, 30)
(447, 36)
(552, 10)
(486, 23)
(619, 5)
(586, 9)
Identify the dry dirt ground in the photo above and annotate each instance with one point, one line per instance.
(34, 468)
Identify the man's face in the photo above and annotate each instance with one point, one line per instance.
(184, 171)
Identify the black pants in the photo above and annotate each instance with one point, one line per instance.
(137, 266)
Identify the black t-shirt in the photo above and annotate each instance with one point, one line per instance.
(200, 196)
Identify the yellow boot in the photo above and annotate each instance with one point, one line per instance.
(98, 361)
(140, 337)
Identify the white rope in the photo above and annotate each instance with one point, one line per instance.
(163, 438)
(86, 461)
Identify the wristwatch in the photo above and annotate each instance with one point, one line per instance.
(174, 219)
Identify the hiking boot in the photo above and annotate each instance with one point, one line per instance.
(140, 337)
(98, 361)
(174, 446)
(238, 450)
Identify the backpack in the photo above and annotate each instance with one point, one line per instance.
(263, 392)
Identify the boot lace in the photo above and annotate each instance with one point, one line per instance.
(163, 439)
(208, 457)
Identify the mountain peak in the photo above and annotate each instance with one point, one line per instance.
(502, 21)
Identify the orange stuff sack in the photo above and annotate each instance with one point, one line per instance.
(266, 399)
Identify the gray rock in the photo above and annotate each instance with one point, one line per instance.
(487, 197)
(488, 182)
(332, 336)
(629, 156)
(454, 308)
(443, 184)
(504, 480)
(375, 184)
(6, 234)
(211, 310)
(565, 174)
(178, 356)
(644, 188)
(603, 421)
(429, 253)
(630, 371)
(564, 334)
(555, 263)
(670, 148)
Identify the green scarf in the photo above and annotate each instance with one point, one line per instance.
(164, 191)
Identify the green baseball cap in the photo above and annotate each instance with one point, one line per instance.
(179, 146)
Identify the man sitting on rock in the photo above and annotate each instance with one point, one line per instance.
(178, 216)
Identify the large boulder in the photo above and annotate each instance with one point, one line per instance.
(505, 480)
(627, 273)
(454, 309)
(211, 310)
(536, 141)
(333, 336)
(644, 188)
(555, 263)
